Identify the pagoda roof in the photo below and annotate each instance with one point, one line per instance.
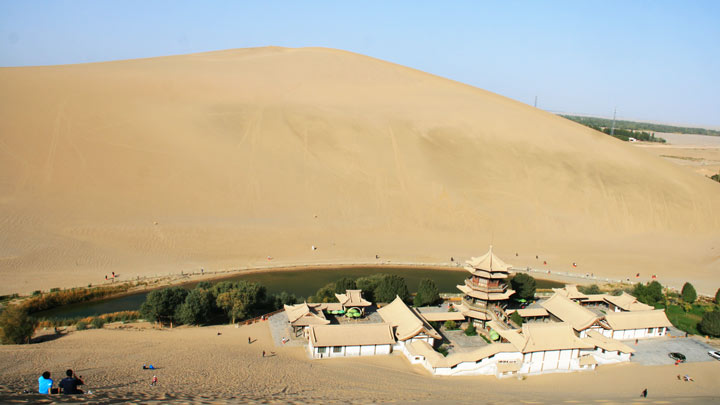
(486, 296)
(488, 262)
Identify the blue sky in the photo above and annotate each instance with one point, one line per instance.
(654, 60)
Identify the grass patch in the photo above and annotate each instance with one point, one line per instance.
(685, 321)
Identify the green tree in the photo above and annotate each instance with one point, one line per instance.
(688, 293)
(326, 293)
(205, 285)
(279, 300)
(470, 330)
(240, 299)
(231, 303)
(161, 305)
(391, 286)
(345, 283)
(17, 325)
(524, 286)
(650, 293)
(197, 308)
(592, 289)
(717, 297)
(515, 317)
(450, 325)
(427, 293)
(369, 284)
(710, 323)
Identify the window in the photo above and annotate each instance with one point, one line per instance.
(337, 349)
(322, 349)
(651, 330)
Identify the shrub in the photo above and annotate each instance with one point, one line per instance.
(470, 330)
(451, 325)
(81, 325)
(524, 286)
(443, 350)
(717, 296)
(36, 293)
(427, 294)
(58, 298)
(593, 289)
(688, 293)
(17, 325)
(98, 322)
(710, 323)
(54, 289)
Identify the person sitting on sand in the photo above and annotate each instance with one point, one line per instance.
(45, 383)
(70, 383)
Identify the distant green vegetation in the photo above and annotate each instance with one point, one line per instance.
(716, 177)
(639, 126)
(619, 133)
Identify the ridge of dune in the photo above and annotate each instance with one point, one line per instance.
(220, 159)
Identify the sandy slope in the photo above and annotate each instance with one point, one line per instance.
(221, 159)
(197, 362)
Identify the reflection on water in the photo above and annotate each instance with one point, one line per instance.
(302, 283)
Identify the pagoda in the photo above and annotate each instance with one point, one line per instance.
(485, 292)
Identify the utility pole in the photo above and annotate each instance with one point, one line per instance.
(612, 129)
(535, 102)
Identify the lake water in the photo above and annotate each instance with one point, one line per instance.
(302, 283)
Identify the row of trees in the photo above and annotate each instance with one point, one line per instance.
(206, 303)
(380, 288)
(642, 126)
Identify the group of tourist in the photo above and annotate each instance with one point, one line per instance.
(68, 385)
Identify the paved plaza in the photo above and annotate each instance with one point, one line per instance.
(654, 352)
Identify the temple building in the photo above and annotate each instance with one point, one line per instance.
(486, 292)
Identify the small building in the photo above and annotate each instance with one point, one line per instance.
(608, 350)
(581, 319)
(499, 359)
(302, 316)
(638, 324)
(408, 325)
(326, 341)
(533, 314)
(549, 347)
(625, 302)
(352, 299)
(571, 292)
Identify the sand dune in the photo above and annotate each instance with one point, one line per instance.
(220, 159)
(196, 364)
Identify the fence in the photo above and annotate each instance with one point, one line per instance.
(260, 318)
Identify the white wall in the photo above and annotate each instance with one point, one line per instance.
(627, 334)
(347, 351)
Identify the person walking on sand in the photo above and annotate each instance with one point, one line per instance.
(154, 381)
(249, 341)
(644, 393)
(263, 353)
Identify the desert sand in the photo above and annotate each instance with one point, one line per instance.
(696, 152)
(221, 159)
(195, 363)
